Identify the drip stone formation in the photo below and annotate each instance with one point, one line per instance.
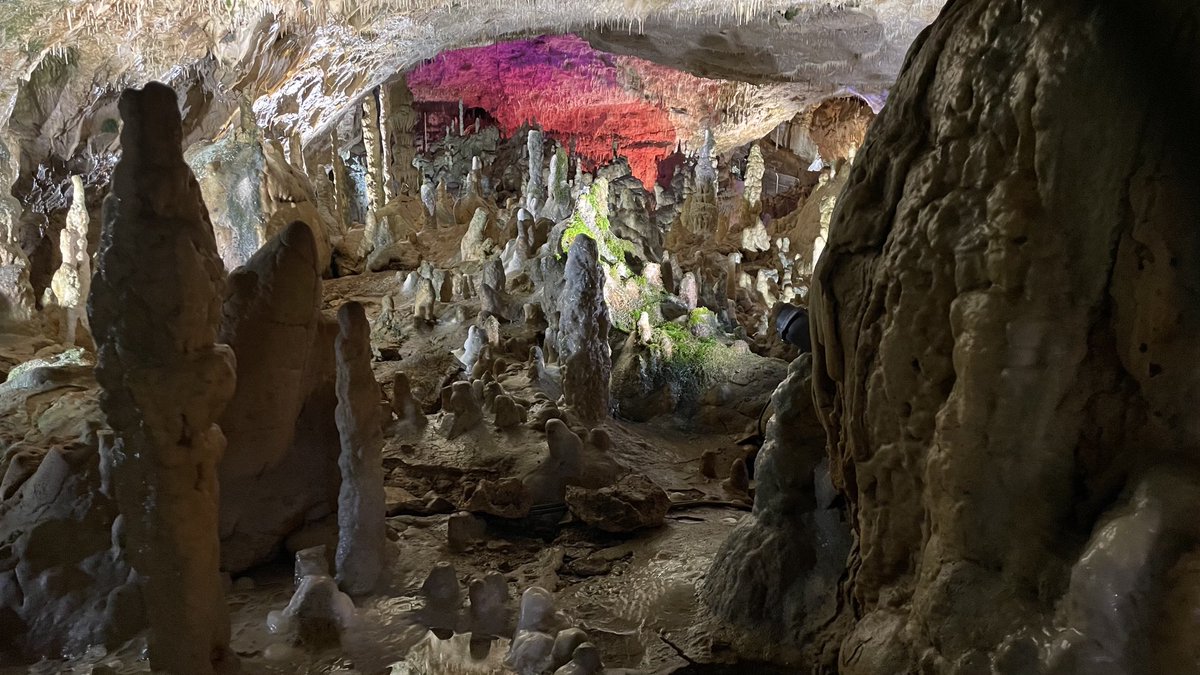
(164, 382)
(614, 337)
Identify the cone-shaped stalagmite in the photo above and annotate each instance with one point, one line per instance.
(155, 307)
(583, 332)
(361, 533)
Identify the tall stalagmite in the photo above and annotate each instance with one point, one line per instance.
(583, 332)
(1007, 323)
(398, 129)
(779, 569)
(16, 294)
(361, 528)
(535, 183)
(271, 319)
(374, 176)
(155, 307)
(72, 281)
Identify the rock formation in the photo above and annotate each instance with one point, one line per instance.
(558, 201)
(16, 293)
(535, 184)
(793, 519)
(406, 408)
(634, 502)
(373, 177)
(361, 533)
(1006, 373)
(269, 477)
(318, 613)
(398, 124)
(473, 245)
(253, 193)
(583, 334)
(155, 310)
(73, 279)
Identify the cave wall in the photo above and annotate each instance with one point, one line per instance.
(1005, 324)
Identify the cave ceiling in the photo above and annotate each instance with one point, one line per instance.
(301, 65)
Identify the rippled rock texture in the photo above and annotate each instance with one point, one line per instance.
(1006, 326)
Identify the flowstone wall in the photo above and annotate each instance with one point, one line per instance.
(1005, 324)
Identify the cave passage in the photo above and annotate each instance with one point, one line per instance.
(562, 338)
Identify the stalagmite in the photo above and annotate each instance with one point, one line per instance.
(558, 201)
(754, 176)
(398, 125)
(271, 319)
(404, 406)
(473, 245)
(16, 294)
(374, 176)
(583, 333)
(341, 182)
(463, 411)
(425, 302)
(489, 612)
(73, 279)
(561, 466)
(706, 170)
(361, 529)
(155, 308)
(535, 188)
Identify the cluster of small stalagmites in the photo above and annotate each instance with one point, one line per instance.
(542, 642)
(467, 404)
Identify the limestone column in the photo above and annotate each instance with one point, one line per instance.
(1007, 325)
(71, 281)
(399, 120)
(341, 181)
(361, 509)
(374, 173)
(155, 308)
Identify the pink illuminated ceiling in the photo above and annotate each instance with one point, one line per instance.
(576, 93)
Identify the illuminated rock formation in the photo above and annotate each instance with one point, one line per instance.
(73, 279)
(252, 193)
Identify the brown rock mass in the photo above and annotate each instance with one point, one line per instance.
(155, 308)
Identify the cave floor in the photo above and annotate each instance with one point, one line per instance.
(635, 594)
